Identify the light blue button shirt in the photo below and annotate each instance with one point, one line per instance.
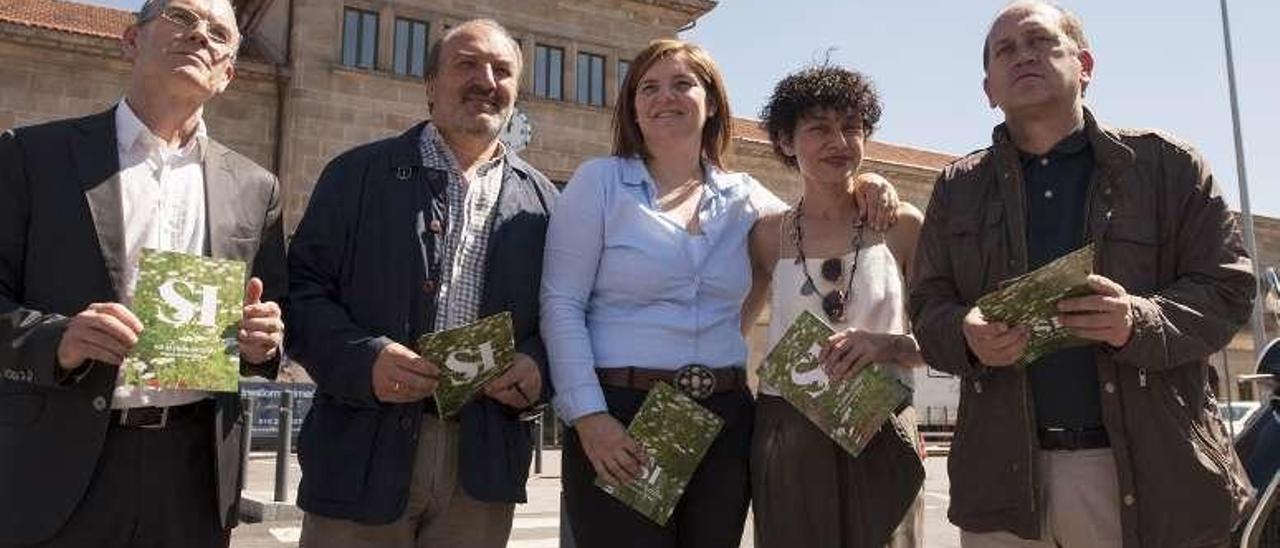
(624, 284)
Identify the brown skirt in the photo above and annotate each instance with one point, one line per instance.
(807, 491)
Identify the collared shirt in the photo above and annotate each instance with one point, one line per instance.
(1064, 385)
(470, 206)
(162, 197)
(624, 284)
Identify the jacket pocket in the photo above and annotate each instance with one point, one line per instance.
(19, 409)
(980, 462)
(1183, 476)
(1132, 253)
(970, 250)
(336, 450)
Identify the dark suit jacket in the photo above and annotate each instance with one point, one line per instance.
(358, 266)
(61, 245)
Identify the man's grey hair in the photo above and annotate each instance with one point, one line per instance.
(151, 9)
(1070, 23)
(432, 67)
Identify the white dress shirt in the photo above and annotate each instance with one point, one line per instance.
(162, 197)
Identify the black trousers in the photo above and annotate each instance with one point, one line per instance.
(151, 489)
(712, 512)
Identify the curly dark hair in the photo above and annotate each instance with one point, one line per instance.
(817, 88)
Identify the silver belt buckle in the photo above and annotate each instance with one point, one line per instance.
(696, 381)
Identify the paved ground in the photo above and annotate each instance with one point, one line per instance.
(537, 524)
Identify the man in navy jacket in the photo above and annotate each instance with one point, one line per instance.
(423, 232)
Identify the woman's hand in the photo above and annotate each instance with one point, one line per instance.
(850, 351)
(615, 455)
(877, 201)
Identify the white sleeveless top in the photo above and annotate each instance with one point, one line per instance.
(877, 303)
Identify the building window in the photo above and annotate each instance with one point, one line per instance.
(411, 47)
(623, 68)
(359, 38)
(548, 72)
(590, 79)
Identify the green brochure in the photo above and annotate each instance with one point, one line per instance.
(850, 411)
(190, 309)
(469, 357)
(676, 432)
(1031, 300)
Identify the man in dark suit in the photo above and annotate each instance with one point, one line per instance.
(86, 461)
(427, 231)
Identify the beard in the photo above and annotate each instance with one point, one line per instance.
(486, 124)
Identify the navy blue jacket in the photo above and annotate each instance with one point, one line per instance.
(359, 268)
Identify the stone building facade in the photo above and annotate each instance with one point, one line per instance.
(317, 77)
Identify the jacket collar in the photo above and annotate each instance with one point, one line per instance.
(1112, 155)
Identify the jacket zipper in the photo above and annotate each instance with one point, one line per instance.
(1209, 446)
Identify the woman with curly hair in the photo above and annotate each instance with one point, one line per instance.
(821, 257)
(644, 280)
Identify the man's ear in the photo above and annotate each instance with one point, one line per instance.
(227, 77)
(430, 89)
(1086, 69)
(986, 88)
(129, 42)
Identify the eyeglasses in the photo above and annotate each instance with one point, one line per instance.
(187, 20)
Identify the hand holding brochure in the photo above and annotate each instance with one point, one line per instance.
(850, 411)
(469, 357)
(190, 308)
(676, 432)
(1031, 300)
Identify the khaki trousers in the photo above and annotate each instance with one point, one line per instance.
(1081, 498)
(439, 514)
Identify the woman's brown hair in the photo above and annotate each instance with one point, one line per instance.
(627, 139)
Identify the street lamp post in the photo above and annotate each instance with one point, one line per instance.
(1258, 323)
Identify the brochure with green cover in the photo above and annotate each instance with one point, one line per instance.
(469, 357)
(190, 308)
(851, 410)
(1031, 300)
(676, 432)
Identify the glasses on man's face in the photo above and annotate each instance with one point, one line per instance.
(187, 20)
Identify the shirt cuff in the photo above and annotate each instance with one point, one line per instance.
(579, 402)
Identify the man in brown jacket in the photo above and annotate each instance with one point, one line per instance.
(1114, 444)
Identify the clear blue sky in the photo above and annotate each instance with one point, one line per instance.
(1159, 63)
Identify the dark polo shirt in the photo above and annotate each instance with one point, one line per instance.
(1064, 385)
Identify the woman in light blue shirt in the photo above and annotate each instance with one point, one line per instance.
(646, 270)
(644, 278)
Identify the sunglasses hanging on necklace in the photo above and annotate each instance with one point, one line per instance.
(835, 302)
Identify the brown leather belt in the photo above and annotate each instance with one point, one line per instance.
(158, 418)
(698, 381)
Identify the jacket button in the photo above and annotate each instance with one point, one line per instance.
(1106, 191)
(1110, 387)
(435, 226)
(1128, 500)
(429, 286)
(99, 403)
(406, 422)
